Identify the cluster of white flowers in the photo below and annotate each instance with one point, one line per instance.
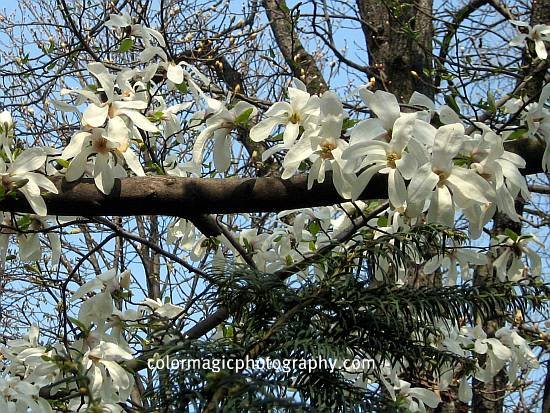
(432, 174)
(93, 360)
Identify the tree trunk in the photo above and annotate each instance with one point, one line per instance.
(399, 40)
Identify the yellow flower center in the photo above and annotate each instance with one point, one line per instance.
(442, 177)
(295, 118)
(327, 147)
(100, 145)
(391, 158)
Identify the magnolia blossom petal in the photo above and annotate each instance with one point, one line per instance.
(105, 79)
(175, 73)
(441, 207)
(78, 141)
(77, 167)
(103, 176)
(200, 142)
(397, 192)
(383, 104)
(41, 181)
(290, 134)
(262, 129)
(366, 130)
(139, 120)
(222, 152)
(95, 115)
(29, 160)
(116, 129)
(540, 49)
(428, 397)
(133, 162)
(363, 180)
(32, 193)
(447, 143)
(465, 390)
(420, 188)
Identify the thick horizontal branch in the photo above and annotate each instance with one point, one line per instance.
(191, 197)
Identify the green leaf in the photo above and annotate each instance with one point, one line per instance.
(243, 117)
(511, 234)
(451, 101)
(349, 123)
(125, 45)
(79, 324)
(518, 133)
(24, 222)
(382, 221)
(492, 106)
(62, 162)
(183, 87)
(228, 331)
(314, 228)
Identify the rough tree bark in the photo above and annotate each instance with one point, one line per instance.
(399, 41)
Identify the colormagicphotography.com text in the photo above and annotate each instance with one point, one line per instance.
(237, 364)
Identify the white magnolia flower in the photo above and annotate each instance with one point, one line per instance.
(497, 353)
(324, 147)
(29, 242)
(515, 248)
(538, 34)
(108, 149)
(445, 113)
(455, 255)
(387, 157)
(20, 396)
(124, 21)
(6, 132)
(19, 175)
(445, 184)
(302, 110)
(501, 169)
(107, 378)
(111, 109)
(218, 127)
(416, 398)
(167, 310)
(170, 124)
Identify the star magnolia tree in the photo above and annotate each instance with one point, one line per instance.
(286, 221)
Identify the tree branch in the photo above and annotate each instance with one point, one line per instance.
(193, 197)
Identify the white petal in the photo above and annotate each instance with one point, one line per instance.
(175, 73)
(420, 188)
(290, 134)
(29, 160)
(133, 162)
(441, 207)
(465, 390)
(363, 180)
(426, 396)
(540, 48)
(75, 146)
(77, 167)
(385, 106)
(103, 176)
(222, 153)
(105, 79)
(139, 120)
(116, 129)
(397, 192)
(41, 181)
(32, 194)
(262, 129)
(95, 115)
(448, 141)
